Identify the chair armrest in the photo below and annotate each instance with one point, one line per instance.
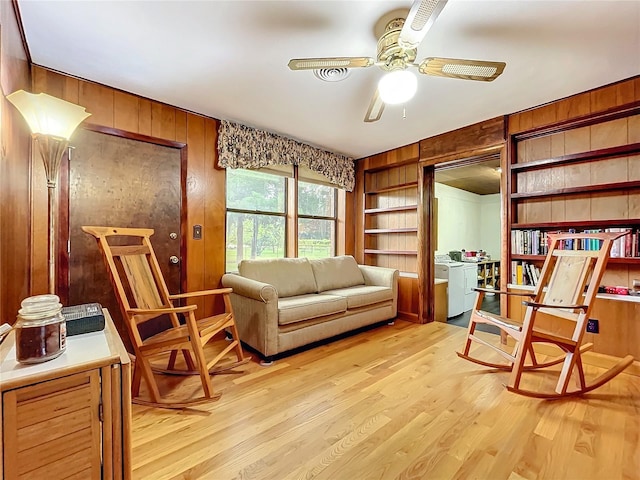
(537, 305)
(145, 311)
(502, 292)
(379, 276)
(247, 287)
(201, 293)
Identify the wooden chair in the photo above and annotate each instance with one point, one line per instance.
(557, 313)
(142, 294)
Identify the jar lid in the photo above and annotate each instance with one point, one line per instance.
(39, 304)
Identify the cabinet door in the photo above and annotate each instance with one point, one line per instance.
(52, 429)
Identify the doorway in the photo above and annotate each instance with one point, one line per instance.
(125, 181)
(469, 225)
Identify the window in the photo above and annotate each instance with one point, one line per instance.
(316, 220)
(256, 216)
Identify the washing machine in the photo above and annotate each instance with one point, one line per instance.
(453, 272)
(470, 273)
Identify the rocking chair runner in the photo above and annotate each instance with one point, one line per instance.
(560, 296)
(143, 295)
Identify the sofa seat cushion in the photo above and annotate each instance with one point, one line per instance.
(303, 307)
(289, 276)
(336, 272)
(362, 295)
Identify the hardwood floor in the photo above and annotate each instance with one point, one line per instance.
(392, 402)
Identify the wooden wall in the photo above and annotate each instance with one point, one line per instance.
(205, 194)
(15, 144)
(577, 106)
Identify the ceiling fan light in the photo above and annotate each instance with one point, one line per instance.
(397, 86)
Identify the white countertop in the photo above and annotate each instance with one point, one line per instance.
(80, 349)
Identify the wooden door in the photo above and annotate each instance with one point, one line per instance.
(116, 181)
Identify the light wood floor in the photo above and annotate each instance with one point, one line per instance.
(393, 402)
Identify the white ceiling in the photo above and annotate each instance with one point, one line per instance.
(228, 59)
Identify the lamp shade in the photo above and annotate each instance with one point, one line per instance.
(48, 115)
(397, 86)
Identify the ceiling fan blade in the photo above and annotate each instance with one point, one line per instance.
(376, 107)
(330, 62)
(465, 69)
(420, 19)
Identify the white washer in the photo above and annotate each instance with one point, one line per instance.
(470, 282)
(453, 272)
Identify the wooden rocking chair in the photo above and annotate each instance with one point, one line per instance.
(565, 293)
(143, 295)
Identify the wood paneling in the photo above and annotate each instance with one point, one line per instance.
(587, 149)
(399, 156)
(577, 106)
(15, 146)
(473, 137)
(205, 192)
(408, 303)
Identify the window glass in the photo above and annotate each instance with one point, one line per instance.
(316, 238)
(255, 191)
(316, 235)
(256, 208)
(252, 235)
(316, 200)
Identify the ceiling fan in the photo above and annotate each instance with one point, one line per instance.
(397, 50)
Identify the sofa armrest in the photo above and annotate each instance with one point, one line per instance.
(383, 277)
(380, 276)
(255, 307)
(250, 288)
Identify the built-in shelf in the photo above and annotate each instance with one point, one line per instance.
(403, 208)
(582, 224)
(578, 157)
(391, 230)
(607, 296)
(402, 186)
(390, 252)
(603, 187)
(624, 260)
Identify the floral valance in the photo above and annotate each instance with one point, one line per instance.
(240, 146)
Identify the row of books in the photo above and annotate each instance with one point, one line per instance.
(524, 273)
(536, 242)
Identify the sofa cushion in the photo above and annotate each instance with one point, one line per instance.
(362, 295)
(336, 272)
(289, 276)
(303, 307)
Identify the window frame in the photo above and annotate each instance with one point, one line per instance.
(291, 218)
(244, 211)
(333, 218)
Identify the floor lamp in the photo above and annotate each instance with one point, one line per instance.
(52, 121)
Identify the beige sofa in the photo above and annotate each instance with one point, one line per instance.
(281, 304)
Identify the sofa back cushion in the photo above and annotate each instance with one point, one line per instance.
(289, 276)
(336, 272)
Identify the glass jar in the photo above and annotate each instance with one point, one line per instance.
(41, 331)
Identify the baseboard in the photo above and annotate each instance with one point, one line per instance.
(408, 316)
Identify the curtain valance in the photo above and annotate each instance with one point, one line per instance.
(240, 146)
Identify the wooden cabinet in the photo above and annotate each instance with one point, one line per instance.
(69, 417)
(441, 300)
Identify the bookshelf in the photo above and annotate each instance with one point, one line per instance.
(580, 173)
(578, 176)
(391, 217)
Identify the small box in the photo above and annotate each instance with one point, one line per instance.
(84, 318)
